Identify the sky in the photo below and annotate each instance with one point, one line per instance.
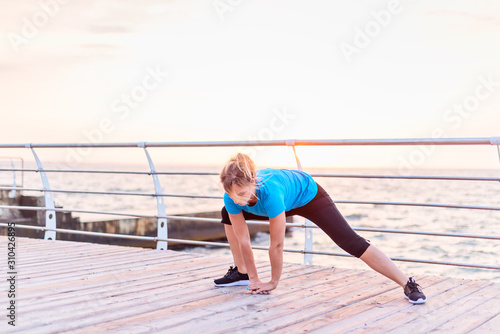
(223, 70)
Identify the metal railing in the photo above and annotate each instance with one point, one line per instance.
(14, 176)
(162, 218)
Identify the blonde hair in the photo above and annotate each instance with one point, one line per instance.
(240, 170)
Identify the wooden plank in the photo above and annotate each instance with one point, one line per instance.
(66, 253)
(491, 326)
(125, 303)
(82, 255)
(40, 244)
(67, 246)
(270, 313)
(88, 268)
(52, 246)
(99, 288)
(96, 261)
(472, 312)
(32, 286)
(188, 311)
(42, 267)
(454, 290)
(122, 284)
(301, 315)
(119, 274)
(73, 260)
(347, 317)
(383, 306)
(121, 305)
(72, 293)
(430, 319)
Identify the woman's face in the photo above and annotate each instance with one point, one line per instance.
(243, 194)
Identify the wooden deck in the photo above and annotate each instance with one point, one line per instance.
(75, 287)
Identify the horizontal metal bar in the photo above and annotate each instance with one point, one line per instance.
(414, 141)
(265, 222)
(446, 178)
(300, 251)
(80, 191)
(288, 142)
(192, 196)
(188, 173)
(218, 220)
(362, 229)
(435, 205)
(17, 170)
(125, 193)
(447, 263)
(82, 171)
(219, 244)
(435, 234)
(222, 244)
(38, 208)
(258, 222)
(74, 171)
(363, 176)
(100, 234)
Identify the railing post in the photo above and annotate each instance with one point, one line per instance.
(496, 141)
(12, 193)
(162, 222)
(50, 214)
(308, 230)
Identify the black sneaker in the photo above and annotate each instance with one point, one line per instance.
(232, 277)
(414, 293)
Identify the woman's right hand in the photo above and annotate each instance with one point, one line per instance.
(257, 287)
(254, 285)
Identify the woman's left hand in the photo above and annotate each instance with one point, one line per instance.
(261, 288)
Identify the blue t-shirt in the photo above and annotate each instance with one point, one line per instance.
(277, 190)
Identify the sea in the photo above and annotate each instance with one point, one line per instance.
(414, 218)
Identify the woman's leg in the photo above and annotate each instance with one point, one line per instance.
(235, 249)
(323, 212)
(379, 262)
(233, 240)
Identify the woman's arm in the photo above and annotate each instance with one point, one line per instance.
(277, 231)
(240, 229)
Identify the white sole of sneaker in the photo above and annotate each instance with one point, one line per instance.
(418, 301)
(242, 282)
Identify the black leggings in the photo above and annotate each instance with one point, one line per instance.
(322, 211)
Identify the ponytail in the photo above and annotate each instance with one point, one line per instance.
(239, 170)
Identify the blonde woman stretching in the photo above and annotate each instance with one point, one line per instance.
(274, 194)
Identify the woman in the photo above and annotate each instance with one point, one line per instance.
(274, 194)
